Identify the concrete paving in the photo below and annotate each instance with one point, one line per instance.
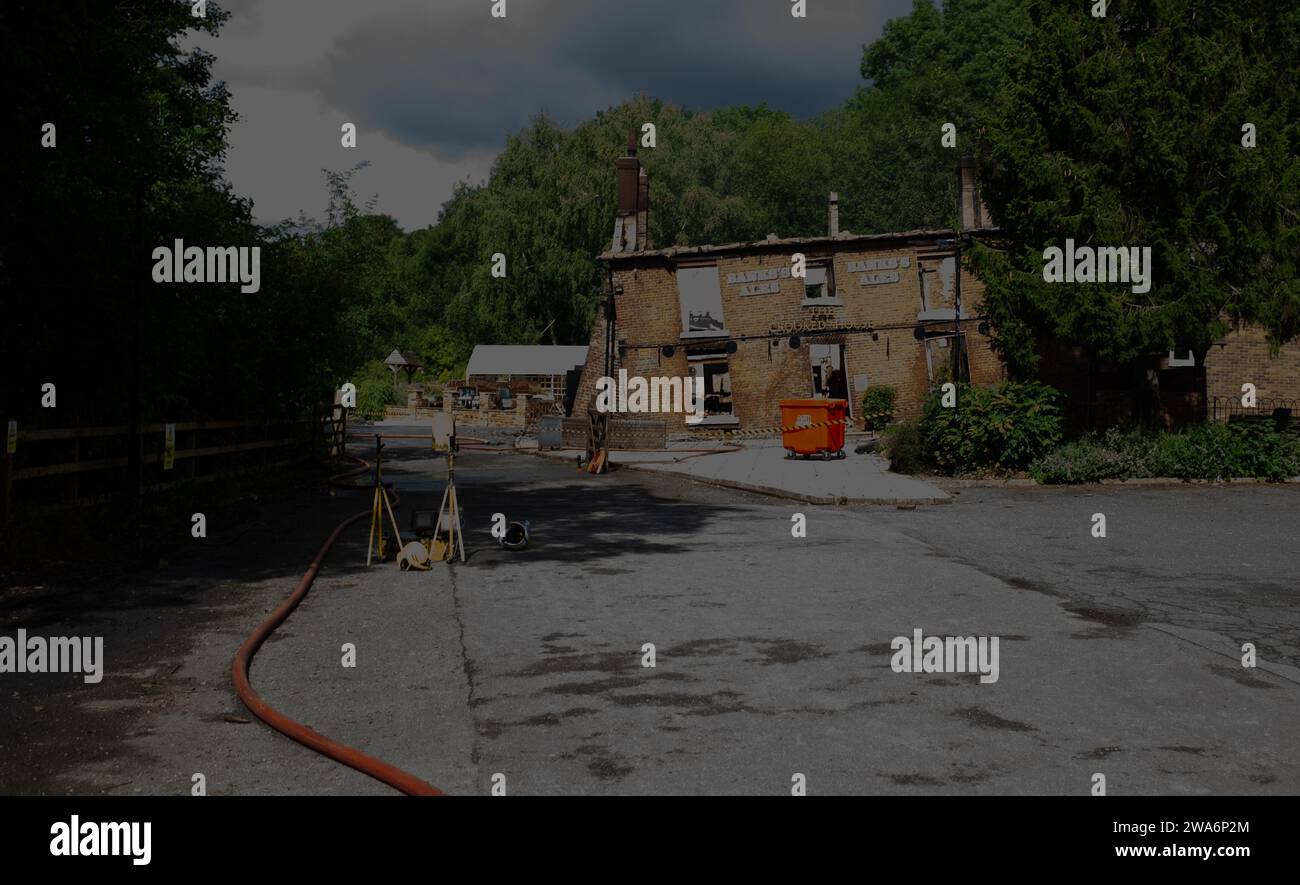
(762, 466)
(1118, 655)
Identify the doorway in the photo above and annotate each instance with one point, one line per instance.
(829, 374)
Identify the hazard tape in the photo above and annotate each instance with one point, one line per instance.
(765, 431)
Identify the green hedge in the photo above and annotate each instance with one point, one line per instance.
(1012, 425)
(1208, 451)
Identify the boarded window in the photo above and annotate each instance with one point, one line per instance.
(939, 355)
(713, 367)
(938, 281)
(701, 300)
(815, 285)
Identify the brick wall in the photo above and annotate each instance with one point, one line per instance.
(514, 417)
(1246, 359)
(766, 369)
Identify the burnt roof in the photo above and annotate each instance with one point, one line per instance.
(844, 239)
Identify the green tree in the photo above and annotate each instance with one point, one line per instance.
(141, 133)
(783, 172)
(1127, 131)
(929, 68)
(548, 206)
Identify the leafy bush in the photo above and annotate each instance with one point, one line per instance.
(878, 407)
(1222, 451)
(373, 394)
(903, 446)
(1087, 460)
(1208, 451)
(1005, 426)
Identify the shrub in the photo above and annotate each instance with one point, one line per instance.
(1005, 426)
(878, 407)
(372, 395)
(1084, 460)
(903, 446)
(1208, 451)
(1223, 451)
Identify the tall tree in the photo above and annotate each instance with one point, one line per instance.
(930, 68)
(1127, 130)
(138, 142)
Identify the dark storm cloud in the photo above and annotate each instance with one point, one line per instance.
(457, 79)
(434, 86)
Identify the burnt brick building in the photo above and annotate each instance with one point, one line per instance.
(872, 310)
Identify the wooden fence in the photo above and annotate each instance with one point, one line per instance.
(51, 467)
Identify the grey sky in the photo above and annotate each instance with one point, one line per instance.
(434, 86)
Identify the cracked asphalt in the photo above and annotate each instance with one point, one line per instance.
(1119, 656)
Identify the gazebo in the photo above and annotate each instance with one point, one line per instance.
(406, 362)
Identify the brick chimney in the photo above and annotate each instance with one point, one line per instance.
(643, 211)
(632, 217)
(833, 215)
(971, 212)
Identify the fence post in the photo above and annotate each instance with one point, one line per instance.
(315, 429)
(6, 486)
(76, 460)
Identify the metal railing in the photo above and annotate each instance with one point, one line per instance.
(1226, 408)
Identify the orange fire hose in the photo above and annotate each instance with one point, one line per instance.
(349, 756)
